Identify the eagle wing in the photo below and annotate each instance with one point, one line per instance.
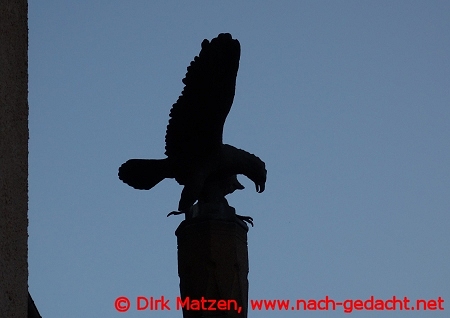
(197, 118)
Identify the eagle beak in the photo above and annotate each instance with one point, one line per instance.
(260, 187)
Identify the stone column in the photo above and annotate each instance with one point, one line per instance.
(213, 264)
(13, 158)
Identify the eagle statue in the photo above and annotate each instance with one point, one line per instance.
(196, 156)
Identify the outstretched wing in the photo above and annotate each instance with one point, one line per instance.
(197, 118)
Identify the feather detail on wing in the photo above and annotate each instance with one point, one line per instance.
(197, 118)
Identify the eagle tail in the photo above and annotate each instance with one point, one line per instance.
(144, 174)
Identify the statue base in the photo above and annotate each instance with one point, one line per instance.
(213, 263)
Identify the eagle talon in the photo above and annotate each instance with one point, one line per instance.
(175, 213)
(247, 219)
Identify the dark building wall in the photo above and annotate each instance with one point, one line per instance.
(13, 158)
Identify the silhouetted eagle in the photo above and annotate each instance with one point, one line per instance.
(196, 156)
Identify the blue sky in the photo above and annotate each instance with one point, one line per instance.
(347, 102)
